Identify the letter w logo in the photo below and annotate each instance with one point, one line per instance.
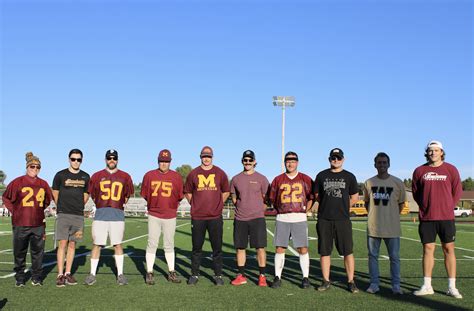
(381, 194)
(208, 181)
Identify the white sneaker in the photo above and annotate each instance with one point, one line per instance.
(373, 288)
(424, 291)
(454, 293)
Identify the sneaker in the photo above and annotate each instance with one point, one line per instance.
(173, 277)
(90, 280)
(60, 281)
(453, 292)
(325, 285)
(276, 282)
(36, 282)
(122, 280)
(218, 280)
(70, 280)
(396, 290)
(262, 281)
(423, 291)
(193, 279)
(239, 280)
(149, 278)
(373, 288)
(351, 286)
(305, 283)
(20, 284)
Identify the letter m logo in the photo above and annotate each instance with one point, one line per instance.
(208, 181)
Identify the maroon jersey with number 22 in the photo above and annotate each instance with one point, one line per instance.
(291, 195)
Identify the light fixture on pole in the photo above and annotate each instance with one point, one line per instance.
(283, 101)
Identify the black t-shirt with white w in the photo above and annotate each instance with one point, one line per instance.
(334, 191)
(71, 189)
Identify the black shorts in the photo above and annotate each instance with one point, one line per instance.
(445, 229)
(339, 231)
(254, 230)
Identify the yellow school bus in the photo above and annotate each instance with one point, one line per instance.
(358, 209)
(406, 208)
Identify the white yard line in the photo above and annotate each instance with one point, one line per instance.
(291, 249)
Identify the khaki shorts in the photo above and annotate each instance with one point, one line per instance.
(113, 229)
(69, 227)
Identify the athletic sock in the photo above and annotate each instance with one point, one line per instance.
(427, 281)
(279, 264)
(94, 264)
(119, 264)
(261, 270)
(241, 270)
(452, 282)
(170, 260)
(304, 264)
(150, 261)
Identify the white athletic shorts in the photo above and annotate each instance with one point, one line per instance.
(113, 229)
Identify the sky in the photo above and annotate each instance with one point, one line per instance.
(141, 76)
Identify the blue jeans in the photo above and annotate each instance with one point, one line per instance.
(393, 248)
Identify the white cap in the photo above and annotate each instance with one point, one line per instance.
(434, 143)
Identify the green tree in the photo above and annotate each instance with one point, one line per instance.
(3, 176)
(184, 171)
(468, 184)
(407, 183)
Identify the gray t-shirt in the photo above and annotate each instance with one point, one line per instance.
(384, 197)
(250, 191)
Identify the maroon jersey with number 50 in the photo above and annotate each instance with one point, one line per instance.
(26, 198)
(110, 190)
(162, 192)
(291, 195)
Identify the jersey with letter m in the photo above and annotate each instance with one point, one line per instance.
(110, 189)
(291, 195)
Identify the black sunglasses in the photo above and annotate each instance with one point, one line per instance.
(247, 161)
(111, 158)
(335, 158)
(34, 167)
(76, 160)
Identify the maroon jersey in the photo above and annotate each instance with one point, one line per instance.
(291, 195)
(26, 198)
(436, 190)
(207, 188)
(163, 192)
(110, 190)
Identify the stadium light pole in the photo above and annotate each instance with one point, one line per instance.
(283, 102)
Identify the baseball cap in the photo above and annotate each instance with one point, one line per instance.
(337, 152)
(164, 156)
(206, 151)
(434, 143)
(248, 154)
(111, 153)
(290, 155)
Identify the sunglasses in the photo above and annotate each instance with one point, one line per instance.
(35, 167)
(247, 161)
(334, 158)
(206, 156)
(111, 158)
(76, 160)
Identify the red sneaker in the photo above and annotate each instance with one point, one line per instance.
(262, 281)
(239, 280)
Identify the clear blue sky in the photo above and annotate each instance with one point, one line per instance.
(140, 76)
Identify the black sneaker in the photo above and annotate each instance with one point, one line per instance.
(36, 282)
(218, 280)
(193, 279)
(276, 282)
(20, 284)
(351, 286)
(305, 283)
(324, 286)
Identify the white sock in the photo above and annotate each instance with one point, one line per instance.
(452, 282)
(304, 264)
(119, 264)
(150, 261)
(170, 260)
(279, 264)
(94, 264)
(427, 281)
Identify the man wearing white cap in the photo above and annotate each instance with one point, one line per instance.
(437, 188)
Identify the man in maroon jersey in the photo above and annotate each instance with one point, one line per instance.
(437, 188)
(162, 188)
(206, 188)
(290, 194)
(109, 189)
(26, 197)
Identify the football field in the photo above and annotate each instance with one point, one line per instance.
(106, 294)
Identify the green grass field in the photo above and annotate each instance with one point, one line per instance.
(105, 294)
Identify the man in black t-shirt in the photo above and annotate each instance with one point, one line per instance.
(336, 191)
(70, 195)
